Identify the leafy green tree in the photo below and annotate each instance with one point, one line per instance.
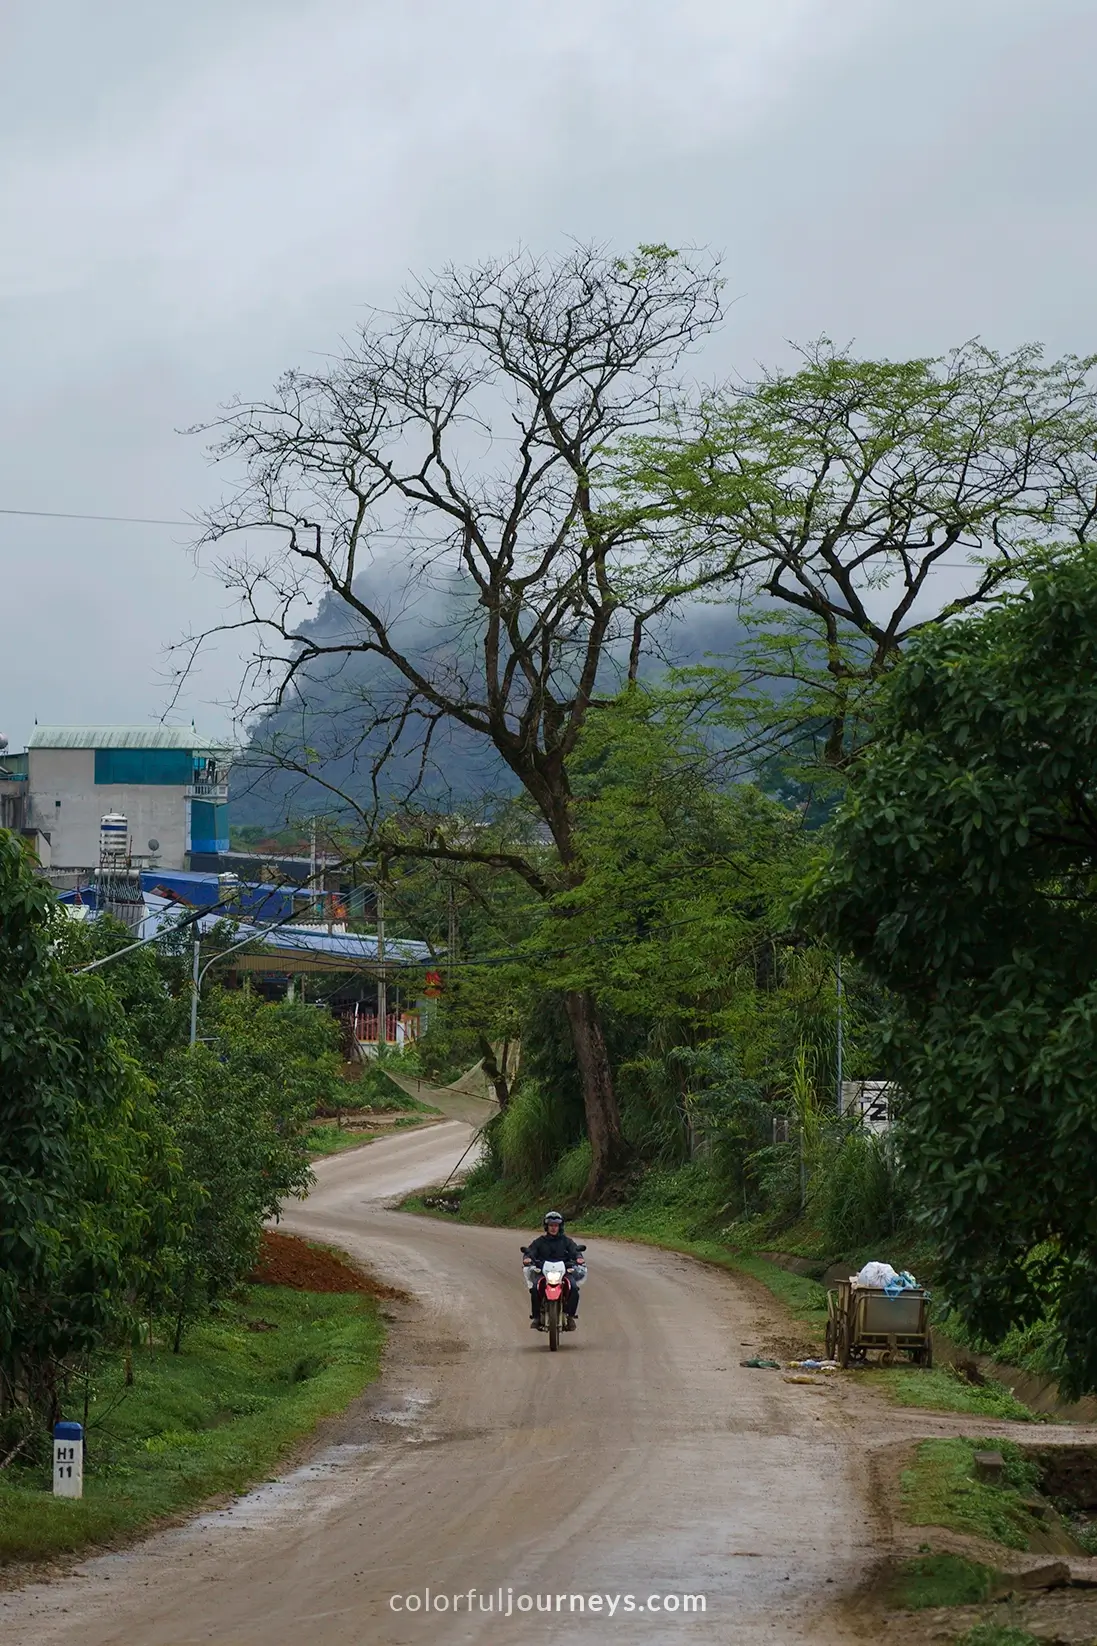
(238, 1109)
(151, 986)
(964, 875)
(86, 1167)
(840, 491)
(682, 881)
(721, 1011)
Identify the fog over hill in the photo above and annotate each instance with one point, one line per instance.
(327, 723)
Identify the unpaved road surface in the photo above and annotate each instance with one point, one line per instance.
(641, 1460)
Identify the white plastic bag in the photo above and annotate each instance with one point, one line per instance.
(875, 1274)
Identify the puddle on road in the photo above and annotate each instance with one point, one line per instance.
(317, 1486)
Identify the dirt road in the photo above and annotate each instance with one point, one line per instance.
(640, 1461)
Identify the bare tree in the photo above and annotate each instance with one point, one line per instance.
(445, 486)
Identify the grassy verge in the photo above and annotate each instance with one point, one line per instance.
(941, 1489)
(213, 1419)
(943, 1390)
(940, 1580)
(329, 1138)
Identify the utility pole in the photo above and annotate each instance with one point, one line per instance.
(382, 993)
(452, 944)
(196, 955)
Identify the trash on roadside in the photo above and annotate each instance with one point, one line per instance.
(757, 1362)
(875, 1274)
(805, 1379)
(882, 1275)
(813, 1365)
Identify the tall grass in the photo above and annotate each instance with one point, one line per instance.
(857, 1197)
(531, 1135)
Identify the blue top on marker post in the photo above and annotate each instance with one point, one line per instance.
(68, 1431)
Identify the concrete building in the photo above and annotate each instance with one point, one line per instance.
(169, 784)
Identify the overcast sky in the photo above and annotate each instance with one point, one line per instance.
(194, 197)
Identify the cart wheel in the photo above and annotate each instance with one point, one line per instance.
(843, 1346)
(831, 1340)
(927, 1354)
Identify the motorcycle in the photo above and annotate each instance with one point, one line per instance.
(554, 1281)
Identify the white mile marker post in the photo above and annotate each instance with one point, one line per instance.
(68, 1460)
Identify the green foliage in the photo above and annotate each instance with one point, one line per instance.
(135, 1172)
(151, 986)
(940, 1489)
(962, 876)
(210, 1420)
(86, 1168)
(680, 882)
(844, 476)
(242, 1137)
(287, 1048)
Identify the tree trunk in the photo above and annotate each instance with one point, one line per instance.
(497, 1076)
(607, 1142)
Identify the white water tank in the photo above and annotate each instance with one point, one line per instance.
(114, 841)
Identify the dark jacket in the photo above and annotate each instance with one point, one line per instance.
(559, 1248)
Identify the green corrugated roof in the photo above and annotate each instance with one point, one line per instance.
(124, 737)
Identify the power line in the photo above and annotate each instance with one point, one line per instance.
(410, 537)
(116, 519)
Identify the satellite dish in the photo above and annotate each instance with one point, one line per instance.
(154, 845)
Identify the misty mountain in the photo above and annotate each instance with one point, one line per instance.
(329, 725)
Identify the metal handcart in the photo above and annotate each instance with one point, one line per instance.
(864, 1320)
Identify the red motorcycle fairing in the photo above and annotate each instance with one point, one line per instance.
(554, 1289)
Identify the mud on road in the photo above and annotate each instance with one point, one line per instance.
(641, 1460)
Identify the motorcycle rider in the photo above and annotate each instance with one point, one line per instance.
(554, 1246)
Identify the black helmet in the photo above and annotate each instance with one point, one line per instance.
(553, 1217)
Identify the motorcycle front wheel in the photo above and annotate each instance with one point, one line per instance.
(552, 1314)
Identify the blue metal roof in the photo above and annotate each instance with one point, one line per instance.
(269, 905)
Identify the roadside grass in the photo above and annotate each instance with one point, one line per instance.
(326, 1138)
(943, 1390)
(940, 1580)
(940, 1489)
(214, 1419)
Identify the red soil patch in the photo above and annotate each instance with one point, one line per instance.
(284, 1260)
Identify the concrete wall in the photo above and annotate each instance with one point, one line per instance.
(67, 804)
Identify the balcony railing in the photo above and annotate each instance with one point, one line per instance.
(206, 791)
